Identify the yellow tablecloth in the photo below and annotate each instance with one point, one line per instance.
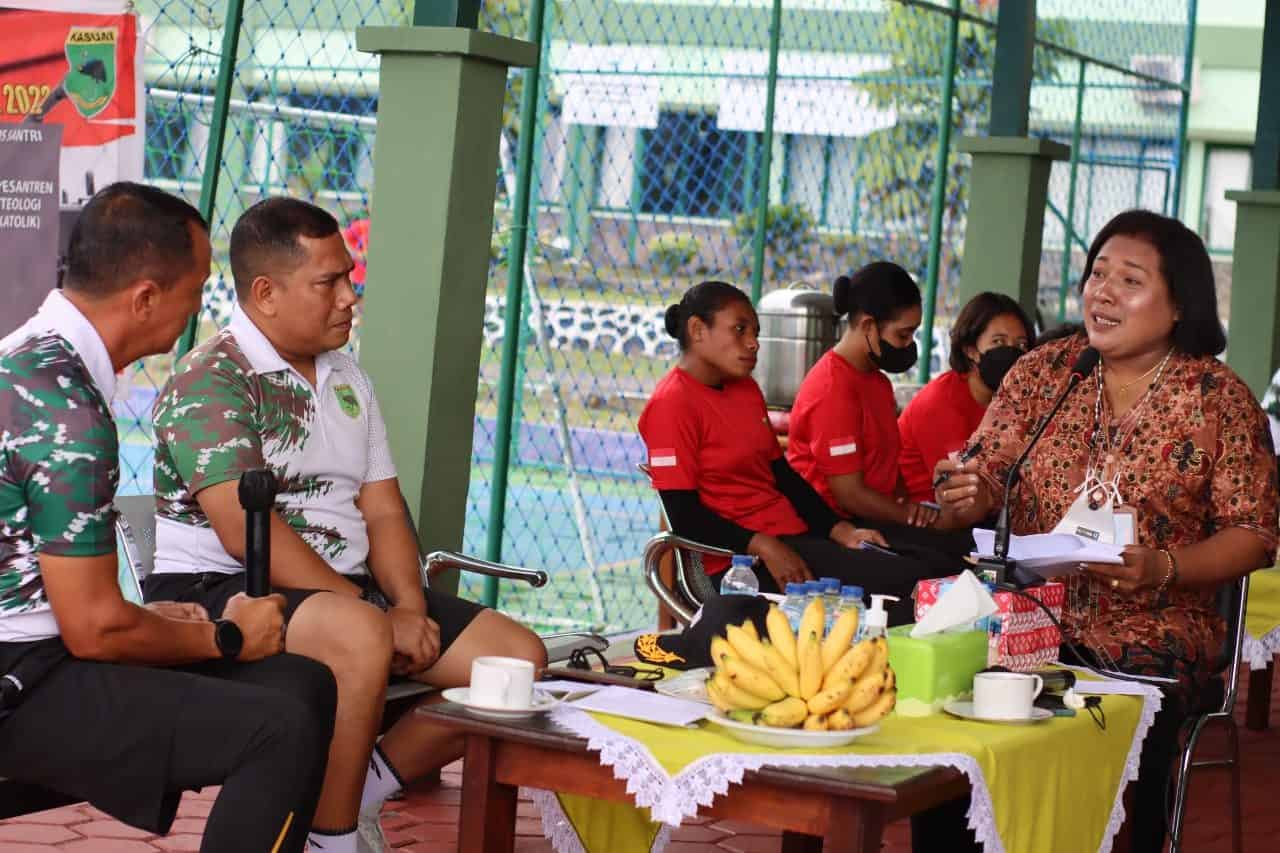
(1262, 618)
(1055, 785)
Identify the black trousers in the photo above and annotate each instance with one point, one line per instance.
(131, 739)
(875, 572)
(944, 828)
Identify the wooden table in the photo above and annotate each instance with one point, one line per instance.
(848, 807)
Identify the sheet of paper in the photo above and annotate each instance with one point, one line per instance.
(643, 705)
(1050, 554)
(1116, 686)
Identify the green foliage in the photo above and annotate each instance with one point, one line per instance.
(672, 251)
(788, 228)
(897, 171)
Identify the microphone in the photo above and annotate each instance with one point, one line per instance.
(1085, 364)
(257, 492)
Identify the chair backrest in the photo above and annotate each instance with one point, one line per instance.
(691, 580)
(135, 542)
(1233, 598)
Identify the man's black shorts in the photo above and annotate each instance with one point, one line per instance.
(214, 590)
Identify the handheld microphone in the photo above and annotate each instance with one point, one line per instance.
(257, 492)
(1085, 364)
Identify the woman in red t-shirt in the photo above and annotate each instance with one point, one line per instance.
(990, 334)
(843, 436)
(719, 470)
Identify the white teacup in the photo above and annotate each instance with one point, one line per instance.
(500, 682)
(1005, 695)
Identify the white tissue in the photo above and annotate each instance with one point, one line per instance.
(964, 603)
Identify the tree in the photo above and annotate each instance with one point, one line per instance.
(896, 171)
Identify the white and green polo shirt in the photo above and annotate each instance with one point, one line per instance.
(232, 405)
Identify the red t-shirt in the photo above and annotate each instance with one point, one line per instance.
(719, 442)
(938, 420)
(844, 421)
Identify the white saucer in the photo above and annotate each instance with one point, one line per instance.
(690, 685)
(542, 701)
(964, 710)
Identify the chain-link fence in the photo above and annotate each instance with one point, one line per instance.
(760, 142)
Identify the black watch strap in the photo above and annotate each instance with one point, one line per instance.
(227, 636)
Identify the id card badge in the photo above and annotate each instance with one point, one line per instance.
(1126, 525)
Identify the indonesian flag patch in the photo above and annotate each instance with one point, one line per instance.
(664, 457)
(846, 446)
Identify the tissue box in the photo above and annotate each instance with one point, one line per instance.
(933, 670)
(1021, 635)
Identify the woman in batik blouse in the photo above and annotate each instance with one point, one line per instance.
(1188, 448)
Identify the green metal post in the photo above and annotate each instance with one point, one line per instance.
(217, 130)
(446, 13)
(515, 293)
(1180, 143)
(938, 204)
(1068, 227)
(1142, 167)
(766, 155)
(826, 181)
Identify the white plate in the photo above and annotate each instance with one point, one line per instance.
(964, 710)
(786, 738)
(542, 701)
(691, 685)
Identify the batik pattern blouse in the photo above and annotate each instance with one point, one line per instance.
(1193, 457)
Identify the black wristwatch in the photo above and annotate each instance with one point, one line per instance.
(227, 636)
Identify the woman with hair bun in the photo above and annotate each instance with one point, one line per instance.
(991, 333)
(843, 437)
(721, 474)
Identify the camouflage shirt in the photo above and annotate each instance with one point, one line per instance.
(233, 404)
(59, 461)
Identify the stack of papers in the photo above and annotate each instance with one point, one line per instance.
(1050, 554)
(643, 705)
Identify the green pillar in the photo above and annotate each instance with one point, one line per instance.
(1011, 79)
(1254, 342)
(580, 185)
(1008, 188)
(439, 114)
(1253, 347)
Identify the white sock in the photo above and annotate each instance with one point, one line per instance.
(322, 842)
(379, 783)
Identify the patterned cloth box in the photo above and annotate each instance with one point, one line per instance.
(1021, 636)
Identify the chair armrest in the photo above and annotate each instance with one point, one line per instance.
(654, 551)
(439, 561)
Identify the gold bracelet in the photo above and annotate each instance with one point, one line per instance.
(1171, 575)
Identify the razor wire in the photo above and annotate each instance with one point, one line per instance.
(648, 174)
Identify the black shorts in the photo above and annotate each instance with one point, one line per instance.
(110, 733)
(215, 589)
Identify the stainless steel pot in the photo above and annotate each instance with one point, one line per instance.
(796, 327)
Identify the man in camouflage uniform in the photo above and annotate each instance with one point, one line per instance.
(274, 388)
(121, 705)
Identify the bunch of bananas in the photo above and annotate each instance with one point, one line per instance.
(803, 679)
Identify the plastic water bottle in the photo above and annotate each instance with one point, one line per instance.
(793, 604)
(851, 597)
(741, 578)
(830, 600)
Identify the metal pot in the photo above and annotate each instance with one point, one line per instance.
(796, 327)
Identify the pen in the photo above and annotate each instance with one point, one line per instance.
(973, 451)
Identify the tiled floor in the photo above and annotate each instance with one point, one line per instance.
(425, 821)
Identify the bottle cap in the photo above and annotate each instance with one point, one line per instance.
(830, 585)
(794, 588)
(743, 560)
(855, 591)
(876, 616)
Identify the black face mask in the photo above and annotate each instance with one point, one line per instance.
(995, 363)
(894, 359)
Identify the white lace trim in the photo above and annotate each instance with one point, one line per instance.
(1259, 652)
(672, 799)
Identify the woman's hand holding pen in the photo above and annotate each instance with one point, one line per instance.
(961, 493)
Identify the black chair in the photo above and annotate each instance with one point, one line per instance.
(1232, 601)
